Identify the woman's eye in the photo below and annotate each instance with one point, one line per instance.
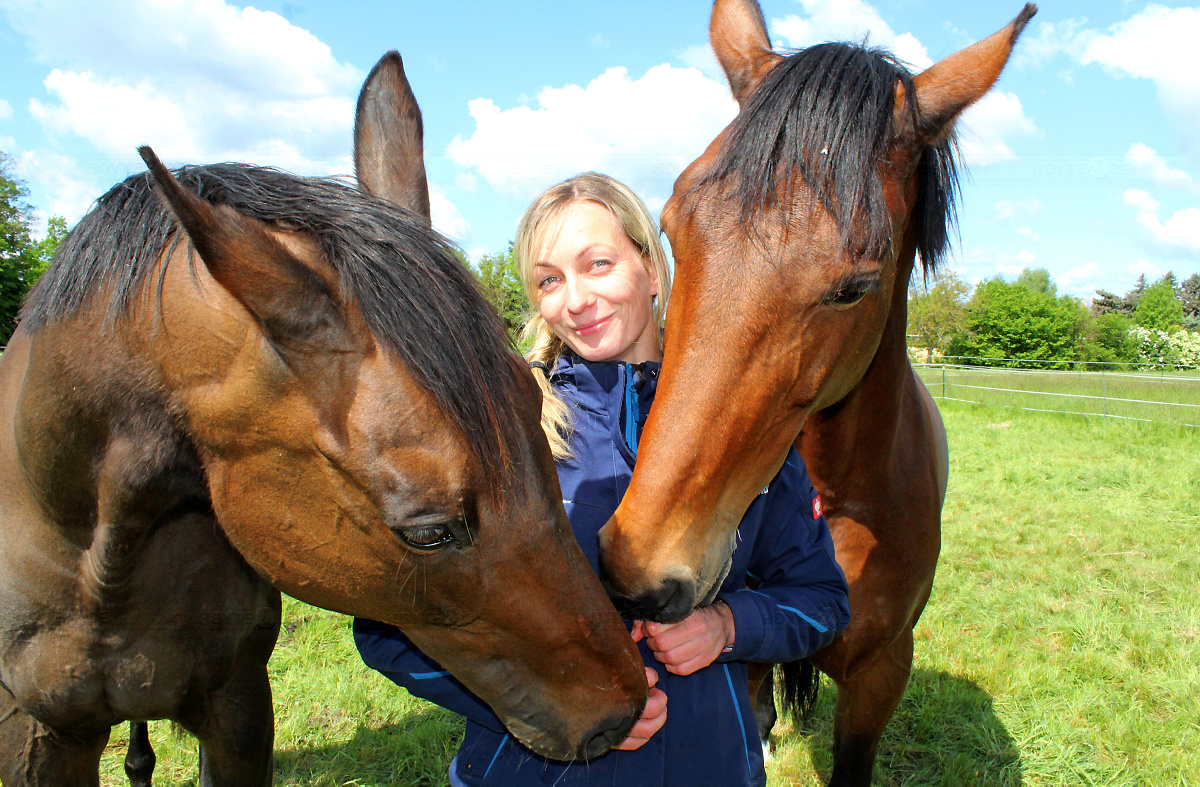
(601, 263)
(546, 282)
(425, 537)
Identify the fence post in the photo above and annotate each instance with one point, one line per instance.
(1104, 390)
(943, 379)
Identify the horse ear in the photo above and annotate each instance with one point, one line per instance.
(951, 85)
(739, 39)
(389, 152)
(287, 298)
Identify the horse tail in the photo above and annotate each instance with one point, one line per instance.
(799, 682)
(139, 759)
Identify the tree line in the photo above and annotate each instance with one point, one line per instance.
(22, 259)
(1000, 323)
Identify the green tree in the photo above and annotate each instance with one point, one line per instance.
(1134, 296)
(937, 313)
(22, 259)
(1014, 325)
(1038, 280)
(497, 274)
(1189, 297)
(1159, 309)
(1107, 341)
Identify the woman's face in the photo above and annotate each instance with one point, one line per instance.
(593, 287)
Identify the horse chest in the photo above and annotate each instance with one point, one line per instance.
(137, 648)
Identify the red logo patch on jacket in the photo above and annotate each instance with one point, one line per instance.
(817, 507)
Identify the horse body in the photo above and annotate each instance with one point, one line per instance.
(795, 235)
(123, 597)
(233, 382)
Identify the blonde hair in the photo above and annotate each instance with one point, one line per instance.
(544, 215)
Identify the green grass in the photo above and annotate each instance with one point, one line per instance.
(1061, 644)
(1166, 397)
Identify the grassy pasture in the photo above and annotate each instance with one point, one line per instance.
(1061, 645)
(1166, 397)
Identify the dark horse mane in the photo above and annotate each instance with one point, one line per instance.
(826, 113)
(412, 291)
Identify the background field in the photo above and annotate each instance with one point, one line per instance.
(1061, 645)
(1171, 397)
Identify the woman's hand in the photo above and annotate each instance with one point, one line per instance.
(654, 715)
(694, 642)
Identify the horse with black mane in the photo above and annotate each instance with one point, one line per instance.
(234, 381)
(795, 235)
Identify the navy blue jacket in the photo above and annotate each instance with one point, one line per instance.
(710, 735)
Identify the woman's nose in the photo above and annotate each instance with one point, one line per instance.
(579, 296)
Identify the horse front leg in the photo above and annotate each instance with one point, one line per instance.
(237, 732)
(32, 754)
(866, 699)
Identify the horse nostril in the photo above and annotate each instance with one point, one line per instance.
(605, 736)
(669, 602)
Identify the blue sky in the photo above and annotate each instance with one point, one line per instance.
(1085, 158)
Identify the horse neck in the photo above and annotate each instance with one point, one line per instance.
(864, 425)
(101, 449)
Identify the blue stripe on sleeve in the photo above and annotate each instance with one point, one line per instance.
(803, 617)
(428, 675)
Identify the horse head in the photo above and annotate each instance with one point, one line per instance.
(794, 237)
(378, 452)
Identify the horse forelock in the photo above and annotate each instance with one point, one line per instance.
(824, 117)
(404, 279)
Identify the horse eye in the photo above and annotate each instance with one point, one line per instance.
(849, 293)
(845, 296)
(425, 537)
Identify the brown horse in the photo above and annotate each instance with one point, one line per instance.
(234, 381)
(795, 235)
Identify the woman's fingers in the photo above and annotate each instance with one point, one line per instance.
(653, 717)
(692, 643)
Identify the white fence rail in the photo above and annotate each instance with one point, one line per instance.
(1159, 396)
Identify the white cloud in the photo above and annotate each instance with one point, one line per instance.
(198, 81)
(701, 56)
(1045, 40)
(848, 20)
(6, 109)
(1157, 44)
(1083, 277)
(643, 131)
(1146, 161)
(1027, 232)
(1150, 269)
(445, 216)
(466, 182)
(54, 175)
(1141, 200)
(986, 126)
(1007, 209)
(1179, 232)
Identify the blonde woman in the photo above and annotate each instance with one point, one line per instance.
(589, 256)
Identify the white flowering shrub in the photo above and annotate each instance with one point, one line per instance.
(1186, 347)
(1154, 348)
(1162, 350)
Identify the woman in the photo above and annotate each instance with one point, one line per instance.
(588, 254)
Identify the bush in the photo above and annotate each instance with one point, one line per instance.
(1013, 322)
(1156, 350)
(1108, 341)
